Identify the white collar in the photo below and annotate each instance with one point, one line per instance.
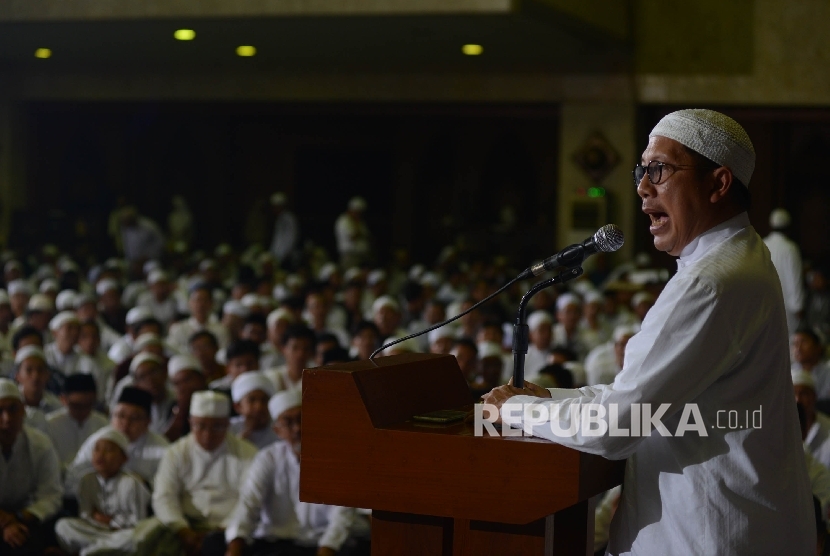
(701, 245)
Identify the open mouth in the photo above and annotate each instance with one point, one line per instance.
(658, 219)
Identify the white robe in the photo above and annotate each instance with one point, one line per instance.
(787, 260)
(817, 441)
(78, 362)
(124, 498)
(68, 435)
(821, 377)
(270, 508)
(31, 478)
(601, 365)
(535, 360)
(259, 438)
(143, 457)
(717, 338)
(199, 489)
(180, 332)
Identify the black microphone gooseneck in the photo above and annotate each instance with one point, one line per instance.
(521, 333)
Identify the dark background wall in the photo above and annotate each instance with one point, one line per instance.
(430, 173)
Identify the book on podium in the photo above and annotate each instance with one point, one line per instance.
(435, 486)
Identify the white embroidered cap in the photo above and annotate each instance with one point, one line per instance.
(29, 351)
(712, 134)
(116, 437)
(179, 363)
(283, 401)
(249, 381)
(9, 389)
(64, 317)
(538, 318)
(207, 403)
(803, 378)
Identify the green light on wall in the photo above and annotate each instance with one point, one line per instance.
(596, 192)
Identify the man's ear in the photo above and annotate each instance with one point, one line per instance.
(721, 184)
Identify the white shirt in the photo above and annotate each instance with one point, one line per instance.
(270, 508)
(573, 343)
(281, 380)
(817, 441)
(142, 241)
(260, 438)
(180, 332)
(197, 488)
(352, 236)
(601, 365)
(286, 233)
(123, 497)
(716, 337)
(68, 435)
(77, 362)
(165, 311)
(819, 482)
(143, 458)
(36, 415)
(31, 478)
(787, 260)
(535, 360)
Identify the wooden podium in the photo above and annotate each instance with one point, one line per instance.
(439, 489)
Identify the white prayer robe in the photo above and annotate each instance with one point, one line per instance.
(36, 415)
(817, 441)
(68, 435)
(281, 380)
(199, 489)
(601, 365)
(260, 438)
(77, 362)
(535, 360)
(180, 332)
(123, 497)
(164, 311)
(143, 458)
(269, 505)
(819, 482)
(285, 236)
(575, 343)
(716, 337)
(31, 478)
(787, 260)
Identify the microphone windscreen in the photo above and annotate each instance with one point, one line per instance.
(609, 238)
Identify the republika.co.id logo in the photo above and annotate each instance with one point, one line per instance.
(595, 420)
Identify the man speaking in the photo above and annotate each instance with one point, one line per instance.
(716, 341)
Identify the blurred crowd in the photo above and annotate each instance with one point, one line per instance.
(141, 388)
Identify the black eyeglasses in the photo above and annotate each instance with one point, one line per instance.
(654, 169)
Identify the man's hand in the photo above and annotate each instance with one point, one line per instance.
(235, 548)
(16, 534)
(326, 551)
(499, 395)
(535, 389)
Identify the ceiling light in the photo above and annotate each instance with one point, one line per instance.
(43, 53)
(184, 34)
(245, 51)
(472, 49)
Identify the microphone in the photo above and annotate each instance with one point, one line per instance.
(607, 239)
